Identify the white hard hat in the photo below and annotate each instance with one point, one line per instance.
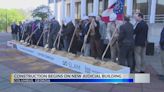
(67, 20)
(85, 18)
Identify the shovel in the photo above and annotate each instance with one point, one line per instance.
(57, 38)
(39, 39)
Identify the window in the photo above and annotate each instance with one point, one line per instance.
(159, 11)
(89, 6)
(77, 10)
(142, 5)
(68, 9)
(125, 7)
(101, 6)
(160, 7)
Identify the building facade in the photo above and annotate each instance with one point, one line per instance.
(76, 9)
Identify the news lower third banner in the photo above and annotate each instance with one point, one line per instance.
(78, 78)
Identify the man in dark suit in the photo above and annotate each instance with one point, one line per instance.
(94, 37)
(84, 29)
(67, 32)
(162, 54)
(14, 31)
(21, 29)
(126, 44)
(54, 29)
(140, 32)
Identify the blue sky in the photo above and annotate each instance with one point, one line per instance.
(21, 4)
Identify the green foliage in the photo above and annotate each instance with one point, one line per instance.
(7, 17)
(41, 12)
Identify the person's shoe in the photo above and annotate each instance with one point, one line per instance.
(133, 72)
(98, 58)
(136, 72)
(142, 71)
(161, 77)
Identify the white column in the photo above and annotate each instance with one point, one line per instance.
(153, 11)
(96, 7)
(55, 9)
(83, 8)
(63, 9)
(59, 9)
(111, 2)
(73, 9)
(129, 10)
(108, 3)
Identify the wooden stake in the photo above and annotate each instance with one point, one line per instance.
(85, 39)
(109, 44)
(29, 37)
(57, 38)
(54, 48)
(46, 46)
(40, 38)
(21, 41)
(72, 39)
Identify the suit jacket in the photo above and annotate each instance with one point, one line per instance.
(84, 28)
(162, 40)
(113, 30)
(141, 33)
(68, 30)
(102, 30)
(126, 35)
(54, 28)
(97, 33)
(20, 28)
(14, 29)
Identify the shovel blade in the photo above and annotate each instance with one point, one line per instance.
(53, 50)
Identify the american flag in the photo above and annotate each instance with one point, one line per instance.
(115, 6)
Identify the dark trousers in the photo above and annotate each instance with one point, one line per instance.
(20, 36)
(126, 56)
(51, 40)
(45, 38)
(134, 62)
(76, 45)
(107, 55)
(95, 47)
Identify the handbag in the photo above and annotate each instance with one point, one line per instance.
(150, 49)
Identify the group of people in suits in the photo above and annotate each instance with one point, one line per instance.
(90, 37)
(17, 30)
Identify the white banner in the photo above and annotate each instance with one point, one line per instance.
(65, 62)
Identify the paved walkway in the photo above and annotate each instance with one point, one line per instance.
(12, 61)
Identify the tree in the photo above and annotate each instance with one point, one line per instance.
(41, 12)
(7, 17)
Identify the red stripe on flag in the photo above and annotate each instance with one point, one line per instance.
(120, 16)
(105, 19)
